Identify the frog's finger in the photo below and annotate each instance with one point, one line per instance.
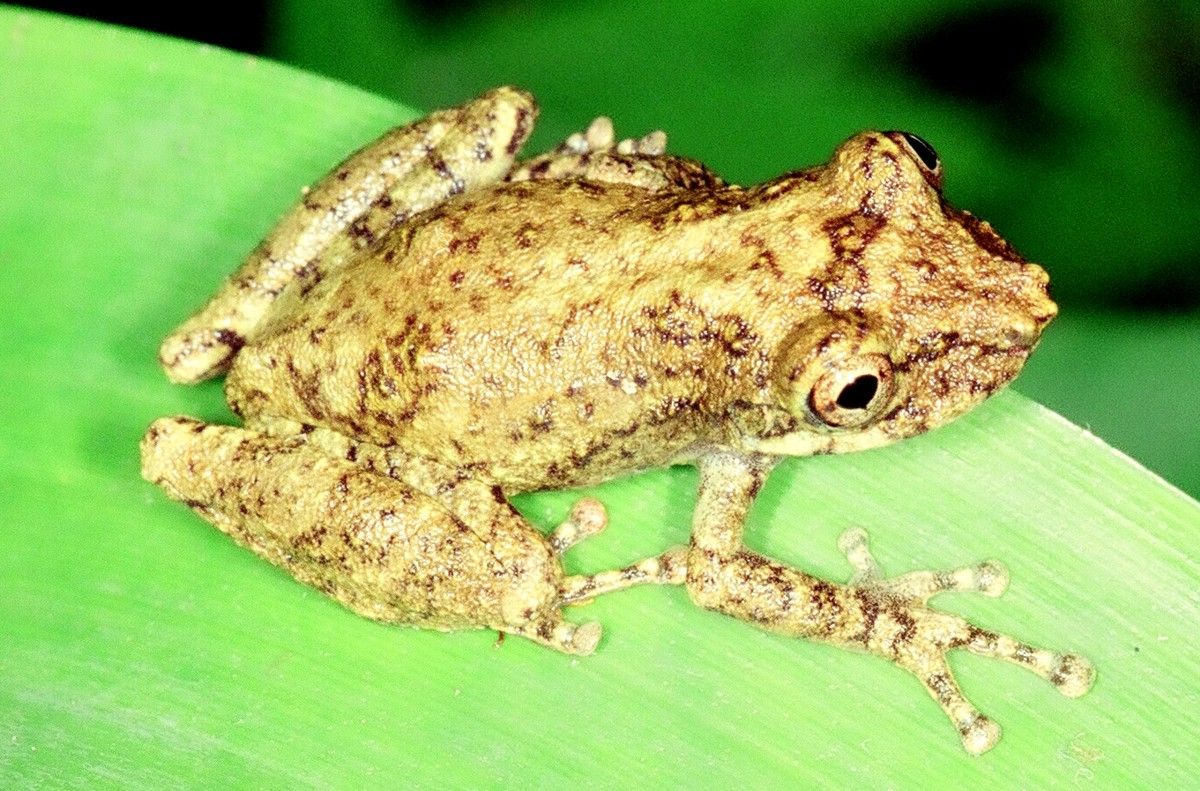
(406, 171)
(595, 155)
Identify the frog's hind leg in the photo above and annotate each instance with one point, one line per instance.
(888, 618)
(377, 545)
(475, 500)
(407, 170)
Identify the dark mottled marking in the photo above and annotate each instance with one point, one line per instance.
(233, 340)
(822, 597)
(307, 389)
(908, 627)
(756, 484)
(869, 606)
(470, 243)
(520, 131)
(436, 163)
(984, 236)
(360, 230)
(943, 688)
(1062, 671)
(1025, 654)
(311, 538)
(525, 234)
(783, 185)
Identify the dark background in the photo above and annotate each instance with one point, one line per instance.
(1072, 128)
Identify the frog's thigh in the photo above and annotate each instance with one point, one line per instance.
(373, 543)
(405, 171)
(472, 499)
(889, 618)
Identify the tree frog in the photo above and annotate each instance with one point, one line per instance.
(437, 325)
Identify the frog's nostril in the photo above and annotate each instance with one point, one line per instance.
(1021, 334)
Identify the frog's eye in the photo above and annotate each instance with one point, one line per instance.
(853, 392)
(924, 152)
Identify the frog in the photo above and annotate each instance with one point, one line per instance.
(438, 325)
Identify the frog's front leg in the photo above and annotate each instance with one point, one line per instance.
(888, 618)
(406, 171)
(381, 547)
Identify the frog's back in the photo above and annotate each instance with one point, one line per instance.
(492, 331)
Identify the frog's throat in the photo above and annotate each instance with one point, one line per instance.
(810, 443)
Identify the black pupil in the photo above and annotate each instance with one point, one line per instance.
(928, 156)
(858, 393)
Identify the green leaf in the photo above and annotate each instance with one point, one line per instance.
(139, 647)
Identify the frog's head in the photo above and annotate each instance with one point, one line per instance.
(924, 311)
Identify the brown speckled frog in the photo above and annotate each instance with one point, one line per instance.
(436, 326)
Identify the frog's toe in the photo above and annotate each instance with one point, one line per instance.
(928, 663)
(1071, 674)
(599, 137)
(586, 637)
(653, 144)
(989, 577)
(554, 632)
(669, 568)
(587, 518)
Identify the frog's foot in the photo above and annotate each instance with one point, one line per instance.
(377, 544)
(888, 618)
(896, 623)
(588, 518)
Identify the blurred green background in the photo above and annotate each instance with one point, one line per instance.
(1071, 127)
